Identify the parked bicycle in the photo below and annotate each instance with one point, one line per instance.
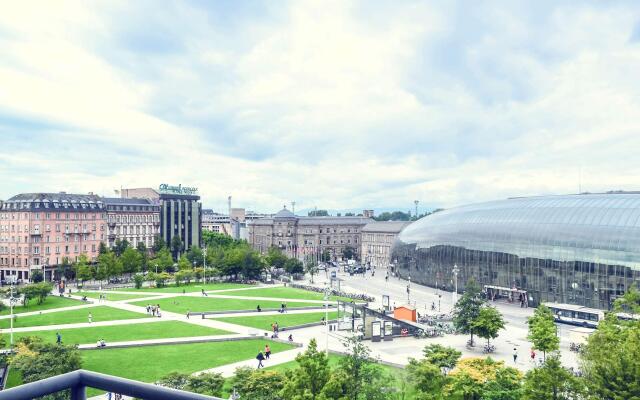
(488, 348)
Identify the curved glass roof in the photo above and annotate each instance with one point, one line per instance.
(600, 228)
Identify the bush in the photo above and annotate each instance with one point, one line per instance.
(138, 279)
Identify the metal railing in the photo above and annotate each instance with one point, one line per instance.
(78, 381)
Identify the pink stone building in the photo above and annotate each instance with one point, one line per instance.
(38, 230)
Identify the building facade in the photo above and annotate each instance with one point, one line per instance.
(39, 230)
(216, 222)
(377, 239)
(134, 220)
(302, 236)
(181, 215)
(577, 249)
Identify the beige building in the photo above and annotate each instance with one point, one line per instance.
(301, 236)
(133, 220)
(377, 240)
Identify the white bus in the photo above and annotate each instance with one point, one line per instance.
(576, 315)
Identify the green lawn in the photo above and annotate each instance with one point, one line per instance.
(194, 287)
(284, 320)
(112, 296)
(184, 304)
(119, 333)
(99, 313)
(283, 293)
(49, 303)
(150, 363)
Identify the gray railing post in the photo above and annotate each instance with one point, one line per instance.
(79, 392)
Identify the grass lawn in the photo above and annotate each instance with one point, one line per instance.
(284, 320)
(100, 313)
(283, 293)
(150, 363)
(194, 287)
(49, 303)
(184, 304)
(119, 333)
(112, 296)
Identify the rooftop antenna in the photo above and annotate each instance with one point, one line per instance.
(416, 203)
(293, 206)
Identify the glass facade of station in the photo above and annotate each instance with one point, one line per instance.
(578, 249)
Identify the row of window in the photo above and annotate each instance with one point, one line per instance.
(134, 218)
(137, 230)
(47, 239)
(58, 216)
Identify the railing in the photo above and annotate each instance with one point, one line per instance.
(78, 381)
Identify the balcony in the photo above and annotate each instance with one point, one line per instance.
(79, 380)
(36, 233)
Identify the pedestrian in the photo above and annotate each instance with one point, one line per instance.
(148, 309)
(260, 358)
(323, 321)
(386, 277)
(282, 308)
(533, 356)
(515, 355)
(58, 338)
(187, 314)
(267, 351)
(291, 337)
(258, 308)
(108, 395)
(90, 318)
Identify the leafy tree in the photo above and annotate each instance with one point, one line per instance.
(176, 246)
(252, 264)
(393, 216)
(349, 253)
(294, 266)
(325, 256)
(258, 384)
(158, 244)
(161, 279)
(488, 322)
(427, 378)
(542, 330)
(215, 239)
(36, 276)
(138, 280)
(82, 269)
(37, 360)
(308, 380)
(67, 269)
(311, 268)
(472, 378)
(196, 255)
(183, 276)
(207, 383)
(163, 260)
(38, 291)
(184, 263)
(102, 248)
(629, 303)
(110, 265)
(611, 359)
(275, 257)
(120, 246)
(144, 255)
(467, 308)
(442, 357)
(174, 380)
(507, 385)
(131, 261)
(554, 382)
(318, 213)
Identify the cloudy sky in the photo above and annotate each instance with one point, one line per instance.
(337, 105)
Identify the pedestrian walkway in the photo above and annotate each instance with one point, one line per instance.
(53, 310)
(164, 341)
(87, 324)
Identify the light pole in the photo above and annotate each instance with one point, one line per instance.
(12, 301)
(416, 203)
(455, 280)
(204, 260)
(156, 269)
(327, 292)
(408, 290)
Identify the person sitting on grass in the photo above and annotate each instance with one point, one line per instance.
(101, 343)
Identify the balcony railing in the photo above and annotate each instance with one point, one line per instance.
(78, 381)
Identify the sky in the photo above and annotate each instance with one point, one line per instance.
(331, 104)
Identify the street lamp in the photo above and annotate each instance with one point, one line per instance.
(408, 290)
(12, 302)
(204, 273)
(455, 279)
(156, 269)
(327, 292)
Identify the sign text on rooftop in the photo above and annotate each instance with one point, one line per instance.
(168, 189)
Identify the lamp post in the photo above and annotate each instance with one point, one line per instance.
(156, 269)
(455, 280)
(204, 260)
(12, 301)
(408, 290)
(327, 292)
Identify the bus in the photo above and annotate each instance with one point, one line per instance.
(576, 315)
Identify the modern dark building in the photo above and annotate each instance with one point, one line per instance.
(577, 249)
(180, 215)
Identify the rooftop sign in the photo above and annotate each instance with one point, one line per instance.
(184, 190)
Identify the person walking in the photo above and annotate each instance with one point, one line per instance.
(533, 356)
(187, 314)
(90, 318)
(260, 358)
(258, 308)
(58, 338)
(515, 355)
(267, 351)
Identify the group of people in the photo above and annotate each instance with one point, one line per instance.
(101, 343)
(283, 308)
(102, 298)
(154, 310)
(263, 355)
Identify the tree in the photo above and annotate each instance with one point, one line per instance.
(37, 360)
(131, 261)
(488, 322)
(275, 257)
(109, 265)
(196, 255)
(161, 279)
(36, 276)
(83, 271)
(427, 378)
(144, 255)
(554, 382)
(467, 308)
(38, 291)
(67, 269)
(210, 383)
(393, 216)
(258, 384)
(325, 256)
(184, 263)
(311, 268)
(102, 248)
(442, 357)
(163, 260)
(348, 253)
(308, 380)
(120, 246)
(507, 385)
(629, 303)
(138, 279)
(158, 244)
(318, 213)
(542, 330)
(176, 246)
(252, 264)
(294, 266)
(472, 378)
(611, 359)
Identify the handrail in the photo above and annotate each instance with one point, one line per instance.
(79, 380)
